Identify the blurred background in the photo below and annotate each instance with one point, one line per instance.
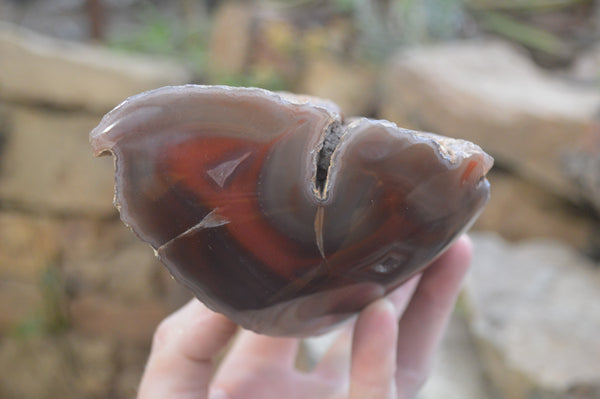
(80, 296)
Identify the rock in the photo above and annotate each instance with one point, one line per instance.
(449, 381)
(286, 46)
(230, 40)
(94, 365)
(4, 128)
(134, 274)
(350, 85)
(64, 19)
(32, 295)
(47, 164)
(489, 93)
(20, 304)
(586, 66)
(276, 47)
(131, 360)
(28, 245)
(582, 164)
(104, 258)
(82, 238)
(101, 316)
(129, 273)
(4, 123)
(275, 53)
(39, 69)
(262, 50)
(51, 367)
(534, 310)
(534, 212)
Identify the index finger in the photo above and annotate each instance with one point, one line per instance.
(424, 321)
(181, 361)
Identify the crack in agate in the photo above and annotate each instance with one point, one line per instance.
(319, 229)
(212, 220)
(332, 138)
(223, 171)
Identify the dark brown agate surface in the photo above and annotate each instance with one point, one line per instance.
(275, 211)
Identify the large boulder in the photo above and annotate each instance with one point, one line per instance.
(490, 93)
(48, 367)
(448, 381)
(351, 85)
(582, 165)
(19, 234)
(29, 249)
(47, 164)
(534, 310)
(99, 315)
(131, 275)
(20, 305)
(230, 39)
(519, 210)
(39, 69)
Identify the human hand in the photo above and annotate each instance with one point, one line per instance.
(385, 353)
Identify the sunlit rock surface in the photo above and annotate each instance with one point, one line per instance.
(41, 69)
(534, 309)
(488, 92)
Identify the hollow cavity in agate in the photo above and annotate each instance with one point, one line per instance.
(275, 211)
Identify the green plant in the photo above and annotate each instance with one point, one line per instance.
(525, 34)
(521, 5)
(51, 317)
(401, 23)
(161, 35)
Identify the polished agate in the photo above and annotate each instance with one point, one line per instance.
(275, 211)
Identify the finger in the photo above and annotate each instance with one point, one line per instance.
(401, 296)
(180, 363)
(424, 321)
(251, 349)
(253, 357)
(373, 362)
(334, 366)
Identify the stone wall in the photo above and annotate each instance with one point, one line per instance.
(79, 295)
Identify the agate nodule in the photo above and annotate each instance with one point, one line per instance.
(275, 211)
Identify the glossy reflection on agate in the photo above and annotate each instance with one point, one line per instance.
(278, 213)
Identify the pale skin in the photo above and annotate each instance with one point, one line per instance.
(385, 353)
